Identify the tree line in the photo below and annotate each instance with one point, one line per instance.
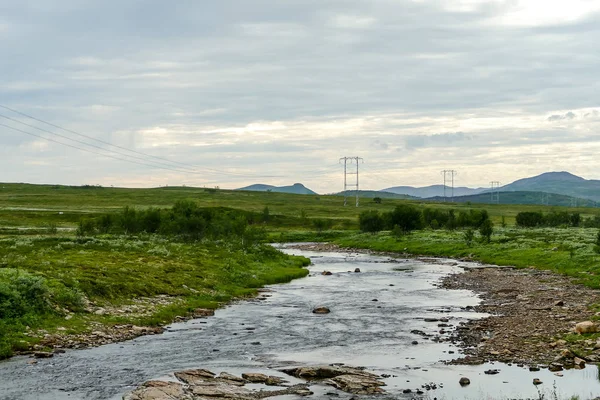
(185, 220)
(406, 218)
(534, 219)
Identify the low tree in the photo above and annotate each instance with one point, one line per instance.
(407, 217)
(485, 230)
(469, 235)
(370, 221)
(377, 200)
(321, 224)
(597, 246)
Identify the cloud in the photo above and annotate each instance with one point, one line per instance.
(269, 85)
(560, 117)
(435, 140)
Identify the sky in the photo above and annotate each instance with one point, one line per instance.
(233, 92)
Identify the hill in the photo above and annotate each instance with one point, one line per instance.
(296, 188)
(432, 191)
(524, 197)
(563, 183)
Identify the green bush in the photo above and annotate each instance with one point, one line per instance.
(532, 219)
(86, 227)
(469, 235)
(407, 217)
(485, 230)
(322, 224)
(370, 221)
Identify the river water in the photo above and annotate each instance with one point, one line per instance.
(280, 330)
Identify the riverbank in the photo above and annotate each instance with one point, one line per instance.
(67, 292)
(533, 314)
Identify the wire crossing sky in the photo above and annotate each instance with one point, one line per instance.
(232, 93)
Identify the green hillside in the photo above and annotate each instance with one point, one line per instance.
(540, 198)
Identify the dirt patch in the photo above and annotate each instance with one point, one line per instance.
(532, 311)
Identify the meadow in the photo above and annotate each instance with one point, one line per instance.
(57, 262)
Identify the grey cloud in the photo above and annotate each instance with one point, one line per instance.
(560, 117)
(102, 67)
(435, 140)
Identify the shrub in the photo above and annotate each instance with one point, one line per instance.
(322, 224)
(407, 217)
(51, 228)
(469, 235)
(86, 227)
(377, 200)
(532, 219)
(529, 219)
(370, 221)
(485, 230)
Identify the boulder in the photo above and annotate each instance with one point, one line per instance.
(254, 377)
(357, 384)
(326, 372)
(327, 273)
(536, 381)
(221, 390)
(231, 379)
(356, 270)
(321, 310)
(555, 367)
(194, 376)
(464, 381)
(158, 390)
(579, 363)
(586, 327)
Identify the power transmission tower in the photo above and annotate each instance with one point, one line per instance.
(350, 160)
(545, 199)
(451, 173)
(495, 191)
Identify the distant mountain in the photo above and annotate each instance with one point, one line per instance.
(563, 183)
(541, 198)
(296, 188)
(375, 193)
(432, 191)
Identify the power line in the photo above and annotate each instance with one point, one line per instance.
(82, 142)
(91, 151)
(196, 169)
(89, 137)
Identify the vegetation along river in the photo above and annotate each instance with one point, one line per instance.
(374, 316)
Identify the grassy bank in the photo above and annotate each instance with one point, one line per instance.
(56, 283)
(568, 251)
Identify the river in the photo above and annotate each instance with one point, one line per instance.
(372, 315)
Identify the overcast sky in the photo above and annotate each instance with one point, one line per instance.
(235, 92)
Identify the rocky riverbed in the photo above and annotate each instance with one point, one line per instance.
(532, 313)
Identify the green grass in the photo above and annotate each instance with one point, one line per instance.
(113, 270)
(25, 205)
(567, 251)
